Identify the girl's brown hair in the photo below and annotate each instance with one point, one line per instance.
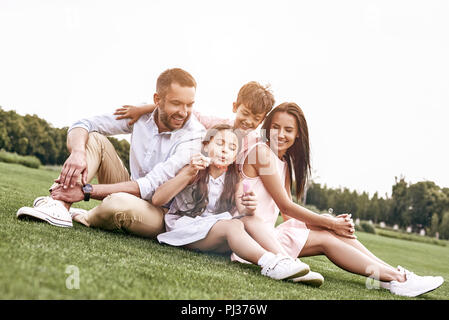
(226, 202)
(298, 155)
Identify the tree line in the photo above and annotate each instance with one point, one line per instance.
(421, 205)
(31, 135)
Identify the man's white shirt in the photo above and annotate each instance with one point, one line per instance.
(154, 157)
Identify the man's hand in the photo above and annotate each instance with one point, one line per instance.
(70, 195)
(74, 166)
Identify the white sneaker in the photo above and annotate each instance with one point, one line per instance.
(312, 278)
(284, 267)
(49, 210)
(385, 285)
(414, 285)
(41, 200)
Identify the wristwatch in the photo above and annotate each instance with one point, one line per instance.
(87, 189)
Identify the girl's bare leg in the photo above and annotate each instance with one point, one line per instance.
(263, 234)
(347, 256)
(230, 235)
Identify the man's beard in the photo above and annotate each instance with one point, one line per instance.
(164, 118)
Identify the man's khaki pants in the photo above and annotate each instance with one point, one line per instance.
(120, 210)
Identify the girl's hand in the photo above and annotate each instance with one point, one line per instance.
(344, 226)
(249, 201)
(197, 162)
(129, 112)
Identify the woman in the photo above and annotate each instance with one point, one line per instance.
(267, 167)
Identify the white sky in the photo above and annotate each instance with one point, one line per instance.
(371, 76)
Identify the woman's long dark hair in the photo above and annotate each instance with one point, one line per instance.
(226, 202)
(298, 155)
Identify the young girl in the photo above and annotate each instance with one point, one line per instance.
(268, 165)
(206, 194)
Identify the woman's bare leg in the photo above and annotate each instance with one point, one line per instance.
(347, 256)
(358, 245)
(263, 234)
(228, 235)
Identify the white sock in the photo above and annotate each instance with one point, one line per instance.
(267, 257)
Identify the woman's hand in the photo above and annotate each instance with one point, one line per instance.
(344, 226)
(130, 112)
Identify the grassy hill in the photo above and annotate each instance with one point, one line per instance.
(34, 258)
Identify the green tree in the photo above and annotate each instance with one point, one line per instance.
(31, 135)
(444, 226)
(400, 203)
(372, 211)
(122, 148)
(318, 196)
(59, 136)
(426, 198)
(22, 146)
(385, 205)
(5, 141)
(434, 225)
(15, 130)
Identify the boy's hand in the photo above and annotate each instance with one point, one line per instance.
(128, 112)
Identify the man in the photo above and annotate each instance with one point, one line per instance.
(161, 144)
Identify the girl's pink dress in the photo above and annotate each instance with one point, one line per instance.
(292, 233)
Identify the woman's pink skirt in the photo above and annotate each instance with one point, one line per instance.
(292, 235)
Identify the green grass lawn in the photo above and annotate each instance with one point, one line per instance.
(112, 265)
